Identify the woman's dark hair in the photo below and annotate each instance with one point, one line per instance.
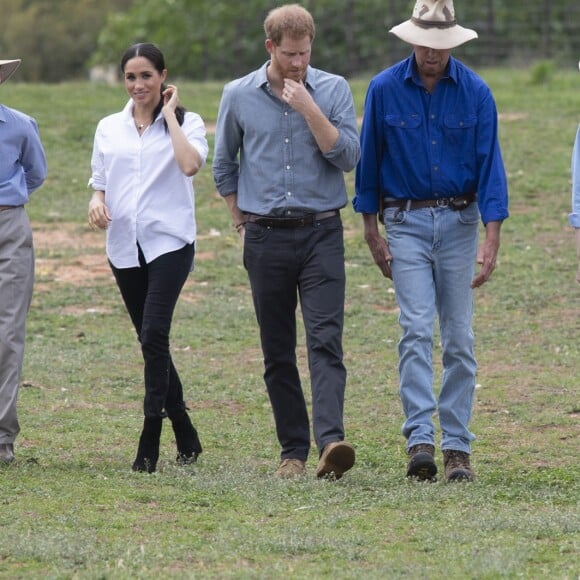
(155, 57)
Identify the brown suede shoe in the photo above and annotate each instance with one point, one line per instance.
(422, 462)
(290, 468)
(457, 466)
(336, 459)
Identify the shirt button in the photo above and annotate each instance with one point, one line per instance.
(289, 193)
(432, 116)
(433, 142)
(288, 167)
(435, 168)
(286, 140)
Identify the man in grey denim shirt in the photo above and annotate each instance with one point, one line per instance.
(286, 133)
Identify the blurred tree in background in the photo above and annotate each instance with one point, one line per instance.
(221, 39)
(54, 38)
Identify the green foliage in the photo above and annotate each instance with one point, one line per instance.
(59, 39)
(542, 72)
(72, 508)
(54, 38)
(224, 39)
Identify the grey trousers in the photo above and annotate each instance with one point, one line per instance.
(16, 282)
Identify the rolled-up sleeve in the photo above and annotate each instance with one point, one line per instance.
(98, 180)
(195, 132)
(346, 151)
(228, 141)
(367, 181)
(33, 159)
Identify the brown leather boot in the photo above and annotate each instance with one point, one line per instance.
(422, 462)
(457, 466)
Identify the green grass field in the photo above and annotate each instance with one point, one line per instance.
(70, 506)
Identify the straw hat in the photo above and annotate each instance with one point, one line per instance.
(7, 67)
(433, 25)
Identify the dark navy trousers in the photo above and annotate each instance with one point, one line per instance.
(306, 264)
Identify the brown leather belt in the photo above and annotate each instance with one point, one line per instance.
(287, 222)
(455, 203)
(5, 207)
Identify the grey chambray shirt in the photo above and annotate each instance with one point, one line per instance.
(266, 153)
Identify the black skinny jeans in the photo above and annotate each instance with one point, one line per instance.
(284, 264)
(150, 293)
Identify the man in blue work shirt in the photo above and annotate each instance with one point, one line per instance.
(431, 167)
(285, 134)
(22, 170)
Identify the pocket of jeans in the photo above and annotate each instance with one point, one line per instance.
(469, 215)
(329, 224)
(255, 233)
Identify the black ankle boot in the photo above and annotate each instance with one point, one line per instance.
(148, 451)
(186, 439)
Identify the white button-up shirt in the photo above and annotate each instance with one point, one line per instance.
(151, 201)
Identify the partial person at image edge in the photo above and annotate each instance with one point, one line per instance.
(22, 171)
(431, 167)
(143, 162)
(574, 217)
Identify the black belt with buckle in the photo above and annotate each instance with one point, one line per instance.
(455, 203)
(287, 222)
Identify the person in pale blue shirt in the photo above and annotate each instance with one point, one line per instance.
(22, 171)
(285, 135)
(574, 217)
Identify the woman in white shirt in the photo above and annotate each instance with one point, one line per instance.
(143, 162)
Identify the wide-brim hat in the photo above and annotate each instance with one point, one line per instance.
(7, 68)
(433, 25)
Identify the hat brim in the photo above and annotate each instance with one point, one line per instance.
(7, 68)
(437, 38)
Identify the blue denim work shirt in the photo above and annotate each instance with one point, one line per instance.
(574, 217)
(416, 145)
(22, 158)
(266, 153)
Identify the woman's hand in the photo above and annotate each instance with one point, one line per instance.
(170, 100)
(99, 216)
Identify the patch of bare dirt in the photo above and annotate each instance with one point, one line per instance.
(65, 253)
(70, 254)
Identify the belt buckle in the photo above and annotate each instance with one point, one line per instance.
(443, 202)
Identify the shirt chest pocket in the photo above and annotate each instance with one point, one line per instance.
(459, 132)
(403, 133)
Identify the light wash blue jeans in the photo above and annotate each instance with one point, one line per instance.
(434, 253)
